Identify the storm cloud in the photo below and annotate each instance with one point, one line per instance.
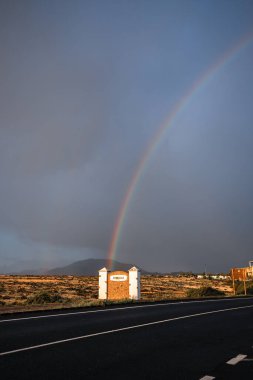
(84, 88)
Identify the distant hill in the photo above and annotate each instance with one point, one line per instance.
(89, 267)
(28, 272)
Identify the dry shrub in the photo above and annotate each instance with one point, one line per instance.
(45, 297)
(204, 291)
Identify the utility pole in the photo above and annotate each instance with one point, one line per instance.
(244, 282)
(233, 279)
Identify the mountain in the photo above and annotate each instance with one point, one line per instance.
(34, 272)
(89, 267)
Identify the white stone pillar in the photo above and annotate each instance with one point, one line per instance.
(134, 283)
(102, 290)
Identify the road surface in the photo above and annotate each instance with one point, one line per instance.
(186, 340)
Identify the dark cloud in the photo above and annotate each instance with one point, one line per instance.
(83, 89)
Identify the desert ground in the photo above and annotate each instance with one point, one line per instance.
(19, 293)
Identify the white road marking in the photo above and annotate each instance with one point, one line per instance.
(117, 309)
(237, 359)
(122, 329)
(207, 378)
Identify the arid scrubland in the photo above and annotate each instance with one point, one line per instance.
(44, 292)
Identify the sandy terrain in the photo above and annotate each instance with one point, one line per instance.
(16, 291)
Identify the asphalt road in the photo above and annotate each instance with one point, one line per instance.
(174, 341)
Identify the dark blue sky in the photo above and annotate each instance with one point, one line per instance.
(85, 85)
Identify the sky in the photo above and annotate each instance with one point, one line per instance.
(84, 88)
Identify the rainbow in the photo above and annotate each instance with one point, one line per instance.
(150, 149)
